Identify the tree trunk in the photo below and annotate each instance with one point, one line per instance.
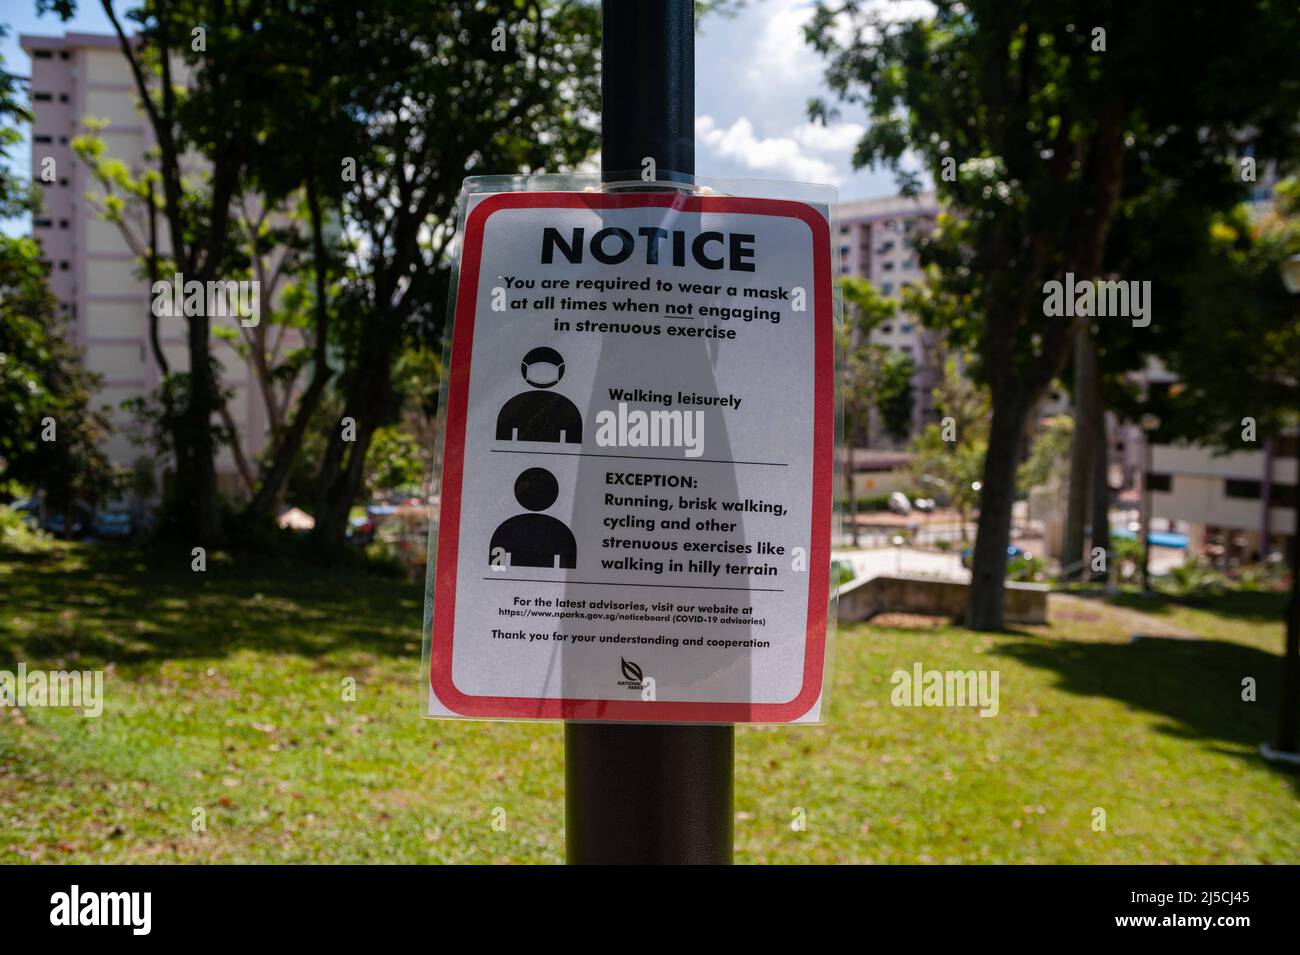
(268, 495)
(343, 469)
(997, 494)
(1101, 497)
(205, 499)
(1081, 455)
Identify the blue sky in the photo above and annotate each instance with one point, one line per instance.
(754, 77)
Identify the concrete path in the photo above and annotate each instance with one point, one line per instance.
(1138, 624)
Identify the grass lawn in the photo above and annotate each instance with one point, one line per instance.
(224, 694)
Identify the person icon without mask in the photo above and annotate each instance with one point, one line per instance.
(534, 540)
(540, 415)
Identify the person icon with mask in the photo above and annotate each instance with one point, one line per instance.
(535, 540)
(540, 415)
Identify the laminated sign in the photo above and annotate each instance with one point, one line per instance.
(635, 506)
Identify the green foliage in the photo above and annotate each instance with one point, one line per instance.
(396, 461)
(841, 573)
(1239, 337)
(16, 537)
(1048, 458)
(875, 377)
(1127, 554)
(1025, 568)
(957, 463)
(1038, 138)
(1196, 577)
(44, 392)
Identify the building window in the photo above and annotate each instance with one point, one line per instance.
(42, 223)
(1287, 446)
(888, 266)
(64, 223)
(1282, 495)
(887, 288)
(63, 55)
(41, 98)
(886, 329)
(905, 327)
(42, 139)
(64, 266)
(1160, 482)
(63, 97)
(1248, 490)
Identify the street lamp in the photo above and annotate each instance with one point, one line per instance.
(1289, 721)
(1149, 423)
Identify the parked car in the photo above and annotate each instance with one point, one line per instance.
(1012, 553)
(114, 525)
(56, 524)
(899, 504)
(924, 504)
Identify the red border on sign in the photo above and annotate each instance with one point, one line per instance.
(444, 600)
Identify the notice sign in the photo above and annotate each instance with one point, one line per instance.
(636, 488)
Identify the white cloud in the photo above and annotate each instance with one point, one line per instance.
(780, 155)
(833, 137)
(787, 156)
(781, 55)
(754, 78)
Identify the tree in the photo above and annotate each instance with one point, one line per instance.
(1046, 465)
(49, 433)
(952, 450)
(433, 97)
(876, 379)
(1035, 121)
(198, 107)
(1238, 360)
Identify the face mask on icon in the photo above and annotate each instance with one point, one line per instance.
(543, 374)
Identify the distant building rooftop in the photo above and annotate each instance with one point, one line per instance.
(884, 207)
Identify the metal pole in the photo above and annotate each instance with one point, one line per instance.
(648, 793)
(1144, 525)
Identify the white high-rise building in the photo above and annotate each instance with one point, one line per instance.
(875, 242)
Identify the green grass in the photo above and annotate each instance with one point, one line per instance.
(224, 693)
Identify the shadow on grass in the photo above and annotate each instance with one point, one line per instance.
(1195, 685)
(137, 604)
(1253, 607)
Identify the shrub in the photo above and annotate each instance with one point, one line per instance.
(16, 536)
